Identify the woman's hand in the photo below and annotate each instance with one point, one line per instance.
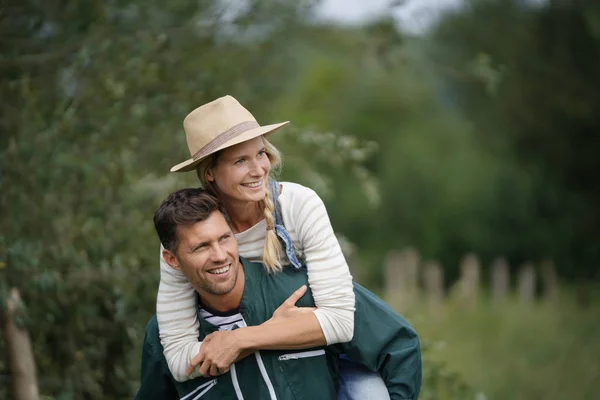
(289, 309)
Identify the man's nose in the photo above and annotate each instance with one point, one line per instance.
(218, 253)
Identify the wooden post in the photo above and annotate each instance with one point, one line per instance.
(527, 283)
(468, 285)
(550, 281)
(401, 278)
(434, 284)
(392, 274)
(20, 354)
(352, 259)
(500, 280)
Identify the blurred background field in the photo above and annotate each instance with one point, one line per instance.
(511, 352)
(508, 347)
(453, 127)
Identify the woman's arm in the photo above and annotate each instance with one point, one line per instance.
(177, 320)
(329, 277)
(289, 328)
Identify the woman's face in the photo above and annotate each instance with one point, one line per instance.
(241, 171)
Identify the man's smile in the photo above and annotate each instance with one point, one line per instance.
(220, 271)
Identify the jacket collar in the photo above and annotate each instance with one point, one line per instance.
(252, 275)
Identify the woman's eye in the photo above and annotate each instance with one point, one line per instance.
(262, 153)
(240, 161)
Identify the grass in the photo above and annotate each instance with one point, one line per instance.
(511, 351)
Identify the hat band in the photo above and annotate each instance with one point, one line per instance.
(224, 137)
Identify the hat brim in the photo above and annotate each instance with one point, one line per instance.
(191, 164)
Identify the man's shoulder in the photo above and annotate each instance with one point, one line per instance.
(152, 337)
(254, 269)
(152, 324)
(251, 265)
(254, 272)
(370, 307)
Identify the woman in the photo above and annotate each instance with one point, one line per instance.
(233, 160)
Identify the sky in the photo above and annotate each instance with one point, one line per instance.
(413, 16)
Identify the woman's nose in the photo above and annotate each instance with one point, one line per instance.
(256, 168)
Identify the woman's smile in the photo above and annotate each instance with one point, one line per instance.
(253, 185)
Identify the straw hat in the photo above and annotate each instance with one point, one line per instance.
(217, 125)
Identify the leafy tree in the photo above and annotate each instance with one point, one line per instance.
(544, 71)
(96, 92)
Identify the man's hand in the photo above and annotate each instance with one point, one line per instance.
(288, 309)
(218, 351)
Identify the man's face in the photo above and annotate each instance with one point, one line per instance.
(207, 254)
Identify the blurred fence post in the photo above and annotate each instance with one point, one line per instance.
(20, 354)
(434, 284)
(500, 280)
(355, 267)
(352, 258)
(527, 283)
(392, 274)
(468, 284)
(401, 278)
(549, 280)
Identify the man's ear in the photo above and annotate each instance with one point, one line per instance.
(171, 259)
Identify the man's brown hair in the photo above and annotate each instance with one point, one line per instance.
(184, 207)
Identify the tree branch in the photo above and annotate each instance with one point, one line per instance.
(20, 354)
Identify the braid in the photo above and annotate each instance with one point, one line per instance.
(272, 250)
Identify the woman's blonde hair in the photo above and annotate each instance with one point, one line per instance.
(272, 250)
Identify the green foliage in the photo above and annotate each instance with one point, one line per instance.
(431, 183)
(478, 138)
(516, 351)
(533, 89)
(87, 140)
(441, 383)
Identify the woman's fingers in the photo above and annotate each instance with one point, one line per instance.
(293, 299)
(214, 371)
(197, 360)
(288, 307)
(205, 368)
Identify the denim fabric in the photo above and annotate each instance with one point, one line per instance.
(359, 383)
(356, 381)
(282, 233)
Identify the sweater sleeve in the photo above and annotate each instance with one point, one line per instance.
(328, 273)
(177, 320)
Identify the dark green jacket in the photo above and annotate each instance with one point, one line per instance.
(383, 341)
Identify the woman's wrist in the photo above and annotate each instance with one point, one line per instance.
(245, 338)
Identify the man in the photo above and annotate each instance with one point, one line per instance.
(235, 293)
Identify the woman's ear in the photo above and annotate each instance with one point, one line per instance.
(171, 259)
(209, 175)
